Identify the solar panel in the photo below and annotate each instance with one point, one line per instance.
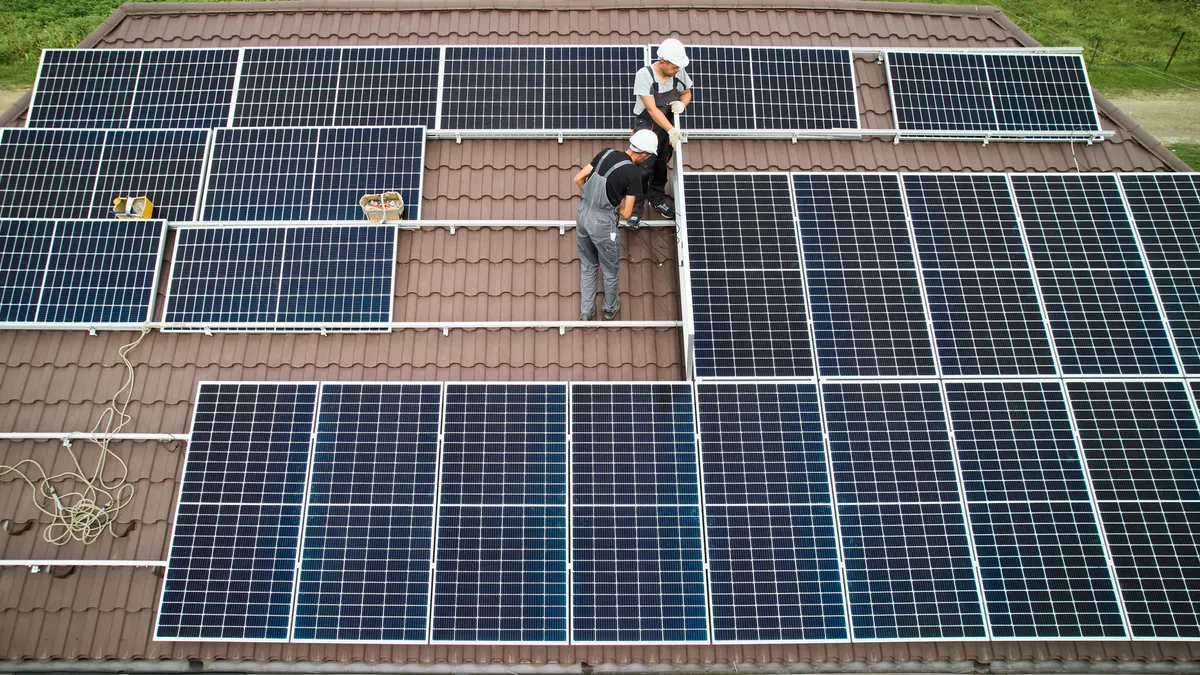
(368, 537)
(940, 91)
(904, 539)
(1076, 220)
(870, 323)
(1105, 322)
(987, 322)
(73, 173)
(184, 88)
(589, 87)
(986, 92)
(804, 88)
(232, 562)
(495, 88)
(287, 87)
(638, 556)
(24, 250)
(750, 324)
(311, 174)
(853, 221)
(388, 86)
(1166, 210)
(501, 559)
(1040, 553)
(1041, 92)
(726, 100)
(254, 278)
(84, 88)
(102, 272)
(773, 557)
(740, 221)
(1140, 440)
(964, 221)
(44, 167)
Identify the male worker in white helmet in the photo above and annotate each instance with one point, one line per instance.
(610, 184)
(661, 91)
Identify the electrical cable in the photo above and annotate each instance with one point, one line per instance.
(84, 513)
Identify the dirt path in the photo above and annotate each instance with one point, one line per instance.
(1172, 118)
(9, 97)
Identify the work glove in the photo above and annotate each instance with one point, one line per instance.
(677, 107)
(674, 136)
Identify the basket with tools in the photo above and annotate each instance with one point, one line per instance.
(382, 208)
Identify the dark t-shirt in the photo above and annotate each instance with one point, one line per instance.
(626, 180)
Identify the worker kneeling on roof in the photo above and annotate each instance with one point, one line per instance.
(661, 92)
(610, 184)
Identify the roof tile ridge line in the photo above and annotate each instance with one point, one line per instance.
(1105, 106)
(285, 6)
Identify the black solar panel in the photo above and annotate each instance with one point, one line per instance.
(311, 174)
(257, 277)
(589, 87)
(964, 221)
(803, 89)
(637, 551)
(495, 88)
(773, 555)
(852, 221)
(233, 554)
(163, 165)
(750, 324)
(387, 86)
(1140, 440)
(740, 222)
(724, 97)
(1040, 551)
(501, 556)
(368, 538)
(940, 91)
(1076, 220)
(1179, 290)
(85, 88)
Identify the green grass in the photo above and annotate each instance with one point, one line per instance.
(29, 26)
(1189, 153)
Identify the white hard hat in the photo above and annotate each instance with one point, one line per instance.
(672, 50)
(644, 140)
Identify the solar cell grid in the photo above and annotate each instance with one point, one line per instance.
(762, 444)
(261, 174)
(287, 86)
(740, 221)
(163, 165)
(24, 250)
(852, 221)
(1076, 220)
(338, 274)
(588, 87)
(495, 88)
(750, 323)
(726, 100)
(225, 274)
(940, 91)
(988, 322)
(1041, 92)
(1166, 210)
(1179, 290)
(803, 89)
(351, 162)
(48, 166)
(870, 323)
(85, 88)
(385, 86)
(184, 88)
(964, 221)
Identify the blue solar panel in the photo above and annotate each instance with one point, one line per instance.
(385, 86)
(311, 174)
(40, 167)
(287, 86)
(232, 564)
(1105, 322)
(908, 572)
(253, 278)
(870, 323)
(762, 444)
(1141, 441)
(637, 543)
(501, 561)
(988, 322)
(1040, 552)
(853, 221)
(163, 165)
(773, 558)
(184, 88)
(740, 221)
(633, 444)
(84, 88)
(368, 539)
(750, 323)
(1179, 290)
(102, 271)
(965, 221)
(1041, 92)
(24, 249)
(803, 88)
(940, 91)
(600, 77)
(1076, 221)
(495, 88)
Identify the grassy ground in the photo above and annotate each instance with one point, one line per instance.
(1188, 152)
(29, 26)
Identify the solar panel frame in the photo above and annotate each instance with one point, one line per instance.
(606, 510)
(288, 502)
(549, 515)
(191, 298)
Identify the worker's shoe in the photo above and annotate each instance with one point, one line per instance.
(666, 210)
(609, 316)
(587, 317)
(633, 222)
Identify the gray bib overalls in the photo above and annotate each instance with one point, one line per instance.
(599, 243)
